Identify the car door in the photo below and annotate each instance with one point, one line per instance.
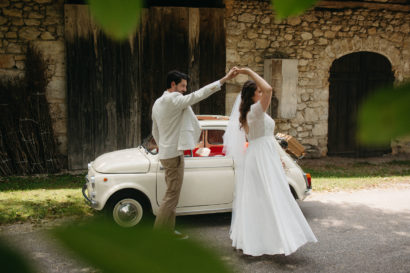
(208, 177)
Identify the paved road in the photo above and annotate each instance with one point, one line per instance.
(361, 231)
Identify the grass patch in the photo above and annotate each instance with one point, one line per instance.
(36, 205)
(41, 197)
(27, 183)
(359, 169)
(399, 162)
(356, 183)
(348, 174)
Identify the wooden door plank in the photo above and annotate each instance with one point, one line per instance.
(79, 58)
(165, 48)
(102, 90)
(213, 57)
(194, 53)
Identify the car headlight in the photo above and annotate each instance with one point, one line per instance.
(92, 181)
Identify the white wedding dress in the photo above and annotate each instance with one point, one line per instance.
(266, 218)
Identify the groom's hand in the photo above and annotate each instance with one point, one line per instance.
(230, 75)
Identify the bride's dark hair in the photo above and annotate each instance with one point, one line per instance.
(248, 91)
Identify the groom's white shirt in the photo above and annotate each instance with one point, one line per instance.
(175, 127)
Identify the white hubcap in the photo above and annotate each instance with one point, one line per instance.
(127, 212)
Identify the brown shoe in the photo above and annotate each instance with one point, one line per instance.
(180, 236)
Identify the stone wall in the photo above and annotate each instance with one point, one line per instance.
(39, 23)
(315, 39)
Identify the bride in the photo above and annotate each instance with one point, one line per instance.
(265, 218)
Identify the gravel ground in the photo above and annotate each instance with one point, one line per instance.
(359, 231)
(43, 251)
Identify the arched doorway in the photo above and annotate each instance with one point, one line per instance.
(352, 78)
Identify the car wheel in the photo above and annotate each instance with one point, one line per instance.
(127, 210)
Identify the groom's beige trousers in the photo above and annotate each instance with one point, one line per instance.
(174, 175)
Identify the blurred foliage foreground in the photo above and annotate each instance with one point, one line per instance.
(101, 244)
(112, 249)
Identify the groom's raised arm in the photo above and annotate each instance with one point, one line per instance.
(183, 102)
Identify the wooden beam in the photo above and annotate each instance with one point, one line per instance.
(366, 5)
(194, 53)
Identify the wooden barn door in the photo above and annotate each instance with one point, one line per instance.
(191, 40)
(103, 83)
(165, 34)
(352, 78)
(111, 86)
(212, 58)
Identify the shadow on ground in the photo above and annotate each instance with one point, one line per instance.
(352, 238)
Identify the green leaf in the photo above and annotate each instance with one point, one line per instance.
(118, 19)
(114, 249)
(385, 115)
(286, 8)
(11, 261)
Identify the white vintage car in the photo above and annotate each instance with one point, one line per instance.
(129, 184)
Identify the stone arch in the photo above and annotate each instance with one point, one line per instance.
(339, 48)
(335, 50)
(353, 77)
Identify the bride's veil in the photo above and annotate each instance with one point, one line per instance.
(234, 137)
(235, 147)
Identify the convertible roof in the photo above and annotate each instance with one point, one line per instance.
(213, 120)
(212, 117)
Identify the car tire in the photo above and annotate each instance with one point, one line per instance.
(128, 210)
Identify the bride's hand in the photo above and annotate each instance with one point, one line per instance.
(233, 72)
(243, 70)
(230, 75)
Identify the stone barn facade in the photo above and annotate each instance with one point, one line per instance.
(39, 23)
(307, 59)
(316, 40)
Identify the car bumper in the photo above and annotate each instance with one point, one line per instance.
(86, 190)
(306, 193)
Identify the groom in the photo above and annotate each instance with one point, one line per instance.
(175, 128)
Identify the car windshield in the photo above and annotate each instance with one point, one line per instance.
(150, 145)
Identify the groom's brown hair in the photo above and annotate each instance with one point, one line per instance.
(175, 76)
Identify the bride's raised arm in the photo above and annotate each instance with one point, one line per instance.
(265, 87)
